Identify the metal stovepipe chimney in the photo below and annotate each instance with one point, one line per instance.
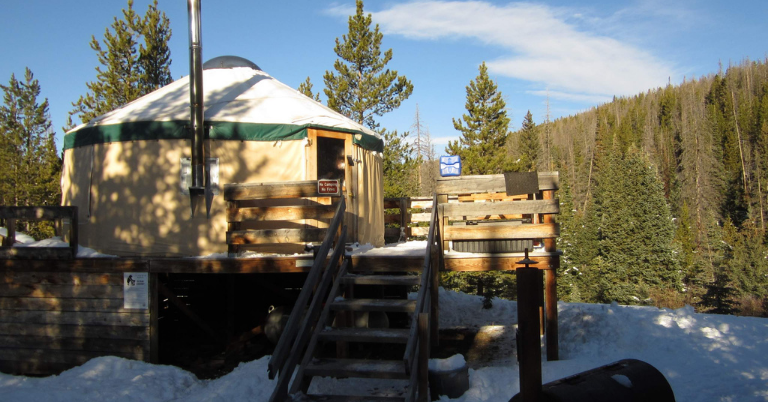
(196, 102)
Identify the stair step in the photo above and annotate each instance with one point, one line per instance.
(358, 368)
(393, 305)
(371, 335)
(353, 398)
(401, 280)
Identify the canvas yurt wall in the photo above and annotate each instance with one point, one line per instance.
(123, 169)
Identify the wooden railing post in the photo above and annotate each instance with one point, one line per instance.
(550, 291)
(423, 357)
(529, 343)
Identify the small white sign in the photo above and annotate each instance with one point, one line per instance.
(136, 290)
(328, 187)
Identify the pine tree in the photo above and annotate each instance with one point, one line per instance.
(128, 72)
(306, 89)
(484, 129)
(635, 232)
(362, 87)
(528, 144)
(399, 166)
(28, 151)
(154, 54)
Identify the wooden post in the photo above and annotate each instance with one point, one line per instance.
(442, 219)
(423, 357)
(73, 226)
(553, 353)
(550, 291)
(404, 217)
(11, 237)
(529, 342)
(433, 305)
(154, 311)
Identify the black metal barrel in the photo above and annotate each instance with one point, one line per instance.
(627, 380)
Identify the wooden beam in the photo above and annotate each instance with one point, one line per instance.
(489, 183)
(491, 232)
(257, 214)
(271, 236)
(78, 265)
(285, 189)
(38, 253)
(48, 213)
(502, 208)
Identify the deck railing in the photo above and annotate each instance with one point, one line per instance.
(424, 322)
(48, 213)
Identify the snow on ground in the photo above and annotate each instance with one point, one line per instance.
(82, 252)
(704, 357)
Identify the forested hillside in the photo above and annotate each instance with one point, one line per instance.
(664, 194)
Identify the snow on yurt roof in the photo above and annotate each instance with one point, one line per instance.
(241, 103)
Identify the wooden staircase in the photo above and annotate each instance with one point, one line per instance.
(327, 327)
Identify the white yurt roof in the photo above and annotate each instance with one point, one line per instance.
(240, 102)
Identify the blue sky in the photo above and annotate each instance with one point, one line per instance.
(580, 53)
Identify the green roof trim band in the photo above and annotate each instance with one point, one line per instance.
(177, 130)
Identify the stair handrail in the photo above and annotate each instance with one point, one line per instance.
(286, 341)
(416, 355)
(311, 321)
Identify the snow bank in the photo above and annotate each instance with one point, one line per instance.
(704, 357)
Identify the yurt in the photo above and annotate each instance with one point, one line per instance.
(125, 170)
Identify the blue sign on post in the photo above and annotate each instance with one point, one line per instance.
(450, 165)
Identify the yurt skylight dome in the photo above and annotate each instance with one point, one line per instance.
(229, 62)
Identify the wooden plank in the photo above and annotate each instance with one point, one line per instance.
(62, 291)
(392, 219)
(489, 183)
(356, 368)
(42, 213)
(95, 265)
(62, 278)
(352, 398)
(39, 253)
(492, 263)
(60, 304)
(490, 232)
(369, 335)
(75, 331)
(394, 305)
(490, 197)
(270, 236)
(33, 367)
(233, 265)
(423, 366)
(285, 189)
(502, 208)
(75, 344)
(421, 217)
(75, 318)
(61, 356)
(419, 231)
(392, 280)
(259, 214)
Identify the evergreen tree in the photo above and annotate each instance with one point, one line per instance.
(399, 166)
(484, 129)
(362, 87)
(154, 54)
(635, 232)
(528, 144)
(128, 72)
(31, 165)
(306, 89)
